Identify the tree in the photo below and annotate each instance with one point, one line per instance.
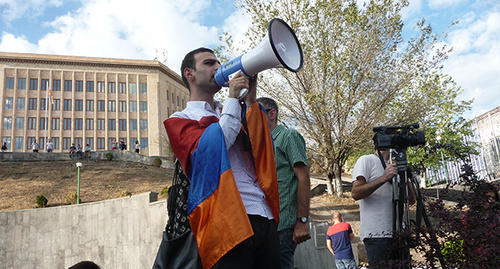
(355, 66)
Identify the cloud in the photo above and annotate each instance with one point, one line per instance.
(474, 64)
(26, 8)
(11, 43)
(126, 29)
(443, 4)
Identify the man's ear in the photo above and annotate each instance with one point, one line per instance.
(189, 74)
(272, 114)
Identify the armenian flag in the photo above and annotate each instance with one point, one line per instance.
(216, 212)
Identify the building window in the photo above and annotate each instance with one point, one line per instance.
(122, 87)
(9, 102)
(41, 142)
(133, 106)
(78, 105)
(132, 88)
(7, 123)
(132, 142)
(100, 86)
(89, 124)
(19, 142)
(89, 141)
(90, 105)
(6, 140)
(78, 141)
(31, 123)
(21, 103)
(111, 87)
(19, 123)
(111, 125)
(143, 106)
(55, 140)
(100, 143)
(144, 143)
(100, 124)
(66, 124)
(111, 106)
(167, 94)
(78, 86)
(68, 85)
(78, 124)
(177, 100)
(56, 105)
(21, 84)
(43, 101)
(122, 125)
(45, 84)
(67, 104)
(32, 103)
(122, 106)
(66, 142)
(90, 86)
(101, 105)
(172, 98)
(133, 125)
(142, 88)
(56, 123)
(144, 125)
(56, 85)
(9, 83)
(43, 123)
(33, 84)
(30, 141)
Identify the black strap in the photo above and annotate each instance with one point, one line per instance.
(381, 158)
(247, 146)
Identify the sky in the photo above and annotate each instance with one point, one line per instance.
(168, 29)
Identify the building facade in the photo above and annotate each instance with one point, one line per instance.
(82, 100)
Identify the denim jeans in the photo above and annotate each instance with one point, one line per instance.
(346, 263)
(288, 247)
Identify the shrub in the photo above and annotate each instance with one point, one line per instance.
(41, 201)
(157, 162)
(126, 193)
(71, 198)
(165, 190)
(109, 156)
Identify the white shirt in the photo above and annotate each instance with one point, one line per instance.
(241, 161)
(376, 209)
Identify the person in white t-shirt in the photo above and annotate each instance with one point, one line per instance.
(372, 187)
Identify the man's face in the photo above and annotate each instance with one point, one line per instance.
(206, 65)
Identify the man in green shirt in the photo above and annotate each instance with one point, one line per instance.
(293, 183)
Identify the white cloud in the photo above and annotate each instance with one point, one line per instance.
(126, 29)
(443, 4)
(11, 43)
(26, 8)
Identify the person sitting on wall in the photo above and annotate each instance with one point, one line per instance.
(72, 150)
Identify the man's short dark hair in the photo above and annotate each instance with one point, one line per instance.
(190, 62)
(268, 104)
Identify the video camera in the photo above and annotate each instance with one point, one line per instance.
(398, 137)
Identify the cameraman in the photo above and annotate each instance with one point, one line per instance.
(372, 187)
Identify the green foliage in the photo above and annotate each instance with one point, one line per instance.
(41, 201)
(126, 193)
(71, 198)
(157, 162)
(109, 156)
(165, 190)
(453, 249)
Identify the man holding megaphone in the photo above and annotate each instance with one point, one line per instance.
(227, 152)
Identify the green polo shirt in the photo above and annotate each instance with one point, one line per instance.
(290, 148)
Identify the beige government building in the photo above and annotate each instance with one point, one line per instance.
(83, 100)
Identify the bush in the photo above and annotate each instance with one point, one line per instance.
(157, 162)
(41, 201)
(165, 190)
(126, 193)
(109, 156)
(71, 198)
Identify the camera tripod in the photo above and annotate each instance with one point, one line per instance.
(401, 208)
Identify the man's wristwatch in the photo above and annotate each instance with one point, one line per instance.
(302, 219)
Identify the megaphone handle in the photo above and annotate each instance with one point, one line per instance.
(243, 93)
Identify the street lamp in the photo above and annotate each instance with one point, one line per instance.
(438, 138)
(79, 165)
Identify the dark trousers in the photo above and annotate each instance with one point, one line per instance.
(262, 250)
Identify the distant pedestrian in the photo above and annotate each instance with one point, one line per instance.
(72, 150)
(87, 151)
(35, 146)
(338, 241)
(137, 146)
(50, 146)
(114, 144)
(4, 147)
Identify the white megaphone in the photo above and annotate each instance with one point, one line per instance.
(280, 48)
